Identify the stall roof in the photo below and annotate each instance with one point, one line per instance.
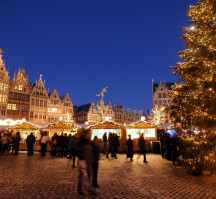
(106, 125)
(141, 124)
(61, 125)
(26, 125)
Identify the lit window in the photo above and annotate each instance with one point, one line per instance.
(20, 87)
(3, 98)
(11, 107)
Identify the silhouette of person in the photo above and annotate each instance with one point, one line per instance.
(85, 159)
(30, 141)
(130, 151)
(142, 146)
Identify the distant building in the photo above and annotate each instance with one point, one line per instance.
(160, 90)
(93, 114)
(161, 100)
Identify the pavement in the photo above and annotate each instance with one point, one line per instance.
(39, 177)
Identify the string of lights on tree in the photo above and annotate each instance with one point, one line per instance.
(194, 96)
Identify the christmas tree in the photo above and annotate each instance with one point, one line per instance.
(194, 96)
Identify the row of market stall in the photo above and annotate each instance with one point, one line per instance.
(122, 131)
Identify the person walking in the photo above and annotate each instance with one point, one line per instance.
(30, 141)
(73, 147)
(105, 142)
(85, 159)
(95, 164)
(142, 146)
(130, 151)
(17, 140)
(110, 145)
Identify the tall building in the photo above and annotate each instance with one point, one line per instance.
(18, 106)
(39, 102)
(4, 86)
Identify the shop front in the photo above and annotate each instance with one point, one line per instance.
(150, 134)
(61, 127)
(25, 129)
(108, 127)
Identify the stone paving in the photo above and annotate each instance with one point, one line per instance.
(54, 178)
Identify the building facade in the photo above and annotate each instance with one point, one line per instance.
(93, 114)
(160, 101)
(160, 97)
(4, 86)
(21, 99)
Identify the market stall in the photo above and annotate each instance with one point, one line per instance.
(25, 128)
(6, 123)
(61, 127)
(149, 131)
(109, 127)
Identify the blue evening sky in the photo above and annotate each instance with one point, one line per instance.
(81, 46)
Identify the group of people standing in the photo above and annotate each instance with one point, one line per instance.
(111, 144)
(9, 142)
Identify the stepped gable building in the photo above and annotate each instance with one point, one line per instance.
(159, 90)
(39, 102)
(4, 86)
(19, 96)
(21, 99)
(59, 108)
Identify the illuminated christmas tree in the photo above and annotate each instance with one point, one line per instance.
(194, 96)
(158, 116)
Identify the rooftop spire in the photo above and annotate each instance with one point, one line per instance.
(1, 52)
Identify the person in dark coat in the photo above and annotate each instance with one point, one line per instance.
(73, 147)
(96, 157)
(110, 145)
(115, 145)
(85, 159)
(130, 151)
(30, 141)
(54, 144)
(105, 140)
(142, 146)
(17, 140)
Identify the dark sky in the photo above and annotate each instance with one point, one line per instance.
(81, 46)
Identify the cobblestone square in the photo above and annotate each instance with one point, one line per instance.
(36, 177)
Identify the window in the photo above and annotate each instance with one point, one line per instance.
(159, 95)
(32, 101)
(11, 107)
(164, 95)
(3, 98)
(3, 87)
(20, 87)
(37, 102)
(41, 102)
